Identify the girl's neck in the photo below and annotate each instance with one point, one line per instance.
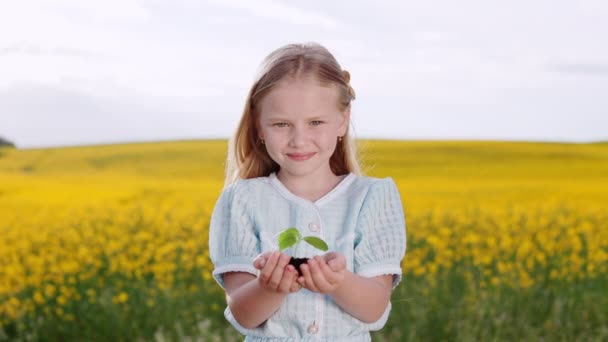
(312, 187)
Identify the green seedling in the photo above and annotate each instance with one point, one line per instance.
(292, 237)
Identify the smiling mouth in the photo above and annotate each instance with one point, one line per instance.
(300, 156)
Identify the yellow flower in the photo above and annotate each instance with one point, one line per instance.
(49, 290)
(38, 298)
(122, 297)
(61, 300)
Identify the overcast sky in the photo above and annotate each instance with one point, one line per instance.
(84, 72)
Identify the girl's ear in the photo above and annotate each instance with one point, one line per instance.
(346, 120)
(258, 130)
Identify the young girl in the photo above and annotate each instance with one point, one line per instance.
(292, 163)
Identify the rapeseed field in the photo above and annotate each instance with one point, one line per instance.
(506, 241)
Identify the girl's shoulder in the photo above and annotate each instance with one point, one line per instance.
(241, 185)
(356, 190)
(244, 183)
(239, 193)
(367, 183)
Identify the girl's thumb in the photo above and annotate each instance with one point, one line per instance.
(332, 264)
(259, 263)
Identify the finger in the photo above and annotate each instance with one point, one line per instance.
(266, 273)
(308, 283)
(277, 274)
(318, 277)
(289, 276)
(301, 281)
(328, 273)
(337, 265)
(259, 263)
(336, 261)
(329, 256)
(261, 259)
(296, 285)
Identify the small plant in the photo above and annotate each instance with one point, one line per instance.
(291, 236)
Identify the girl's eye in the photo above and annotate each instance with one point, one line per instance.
(280, 124)
(316, 122)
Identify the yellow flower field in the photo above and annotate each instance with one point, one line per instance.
(119, 232)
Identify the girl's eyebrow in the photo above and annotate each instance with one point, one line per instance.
(278, 118)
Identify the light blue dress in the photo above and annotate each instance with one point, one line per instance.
(362, 218)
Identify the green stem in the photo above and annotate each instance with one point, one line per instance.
(295, 249)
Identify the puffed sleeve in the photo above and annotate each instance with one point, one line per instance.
(233, 241)
(380, 239)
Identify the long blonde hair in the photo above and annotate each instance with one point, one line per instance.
(247, 156)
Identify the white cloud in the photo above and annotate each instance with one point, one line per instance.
(183, 68)
(280, 11)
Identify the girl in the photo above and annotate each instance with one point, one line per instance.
(292, 163)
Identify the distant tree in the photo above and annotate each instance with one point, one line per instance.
(6, 143)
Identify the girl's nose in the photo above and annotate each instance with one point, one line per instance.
(298, 137)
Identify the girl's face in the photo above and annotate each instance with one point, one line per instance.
(300, 123)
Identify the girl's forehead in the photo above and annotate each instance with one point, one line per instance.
(302, 80)
(303, 94)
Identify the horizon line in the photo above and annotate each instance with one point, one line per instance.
(412, 139)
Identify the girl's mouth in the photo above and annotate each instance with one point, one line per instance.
(300, 156)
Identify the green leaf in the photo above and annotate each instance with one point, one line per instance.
(317, 243)
(288, 238)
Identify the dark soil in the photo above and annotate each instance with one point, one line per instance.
(296, 262)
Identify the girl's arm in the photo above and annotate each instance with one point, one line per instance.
(253, 300)
(364, 298)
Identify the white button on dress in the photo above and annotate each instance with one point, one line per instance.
(313, 328)
(314, 227)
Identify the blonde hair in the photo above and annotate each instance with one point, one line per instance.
(247, 156)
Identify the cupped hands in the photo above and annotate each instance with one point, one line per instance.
(276, 275)
(322, 274)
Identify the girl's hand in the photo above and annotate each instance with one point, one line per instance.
(323, 274)
(335, 261)
(261, 259)
(275, 273)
